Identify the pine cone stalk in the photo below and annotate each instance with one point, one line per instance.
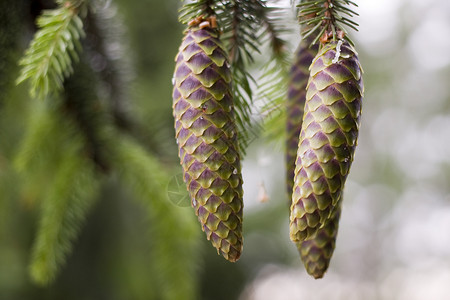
(207, 137)
(328, 138)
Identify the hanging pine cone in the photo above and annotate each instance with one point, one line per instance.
(298, 78)
(327, 139)
(316, 253)
(207, 138)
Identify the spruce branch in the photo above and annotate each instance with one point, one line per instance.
(73, 127)
(173, 232)
(238, 23)
(64, 209)
(273, 82)
(325, 20)
(239, 19)
(38, 150)
(55, 169)
(77, 112)
(273, 92)
(48, 59)
(196, 9)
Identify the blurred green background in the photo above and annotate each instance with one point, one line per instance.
(393, 241)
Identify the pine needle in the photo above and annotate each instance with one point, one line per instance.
(274, 79)
(64, 209)
(173, 230)
(39, 153)
(324, 20)
(37, 145)
(48, 60)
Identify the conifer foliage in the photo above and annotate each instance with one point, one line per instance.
(55, 46)
(76, 140)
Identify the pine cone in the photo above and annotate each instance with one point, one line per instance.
(327, 139)
(298, 78)
(316, 253)
(207, 138)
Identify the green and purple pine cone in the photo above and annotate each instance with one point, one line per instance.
(316, 253)
(298, 79)
(327, 140)
(207, 138)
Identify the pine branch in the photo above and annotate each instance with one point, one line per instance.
(174, 233)
(238, 24)
(64, 209)
(75, 131)
(195, 9)
(325, 20)
(54, 124)
(39, 153)
(48, 60)
(52, 163)
(274, 77)
(249, 15)
(273, 92)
